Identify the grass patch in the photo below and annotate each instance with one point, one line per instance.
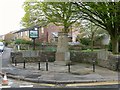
(88, 50)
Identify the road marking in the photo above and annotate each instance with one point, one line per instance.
(26, 86)
(93, 84)
(5, 86)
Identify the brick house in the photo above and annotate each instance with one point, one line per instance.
(47, 33)
(22, 34)
(9, 37)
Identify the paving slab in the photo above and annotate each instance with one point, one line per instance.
(59, 73)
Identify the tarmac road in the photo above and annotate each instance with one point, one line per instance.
(5, 57)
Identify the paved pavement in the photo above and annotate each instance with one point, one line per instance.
(58, 73)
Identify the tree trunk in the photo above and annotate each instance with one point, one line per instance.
(115, 48)
(92, 43)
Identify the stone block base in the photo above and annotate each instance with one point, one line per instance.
(61, 63)
(60, 56)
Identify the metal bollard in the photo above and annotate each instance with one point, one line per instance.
(24, 64)
(69, 67)
(15, 62)
(12, 59)
(93, 66)
(39, 65)
(117, 65)
(47, 65)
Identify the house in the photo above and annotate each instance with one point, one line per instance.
(47, 33)
(9, 37)
(50, 32)
(22, 34)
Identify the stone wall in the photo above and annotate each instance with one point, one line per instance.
(102, 58)
(32, 56)
(83, 57)
(111, 62)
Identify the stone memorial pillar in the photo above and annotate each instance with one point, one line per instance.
(62, 54)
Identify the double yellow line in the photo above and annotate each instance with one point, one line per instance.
(93, 84)
(50, 85)
(83, 84)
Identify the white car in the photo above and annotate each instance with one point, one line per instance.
(1, 46)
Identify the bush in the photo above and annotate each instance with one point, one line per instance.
(22, 41)
(85, 41)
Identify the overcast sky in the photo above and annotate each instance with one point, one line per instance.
(11, 12)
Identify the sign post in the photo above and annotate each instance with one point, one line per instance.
(34, 34)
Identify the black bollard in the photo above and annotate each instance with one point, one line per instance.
(15, 62)
(39, 65)
(12, 59)
(24, 64)
(117, 65)
(47, 65)
(93, 66)
(69, 67)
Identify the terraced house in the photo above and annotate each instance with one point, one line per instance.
(47, 33)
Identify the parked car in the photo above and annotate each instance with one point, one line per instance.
(1, 46)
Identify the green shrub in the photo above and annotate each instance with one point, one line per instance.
(51, 59)
(85, 41)
(22, 41)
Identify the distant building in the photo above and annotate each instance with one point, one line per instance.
(9, 37)
(22, 34)
(47, 33)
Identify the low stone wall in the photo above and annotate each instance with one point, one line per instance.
(32, 56)
(111, 62)
(102, 58)
(83, 57)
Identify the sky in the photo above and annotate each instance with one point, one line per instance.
(11, 12)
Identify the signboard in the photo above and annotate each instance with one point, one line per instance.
(33, 33)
